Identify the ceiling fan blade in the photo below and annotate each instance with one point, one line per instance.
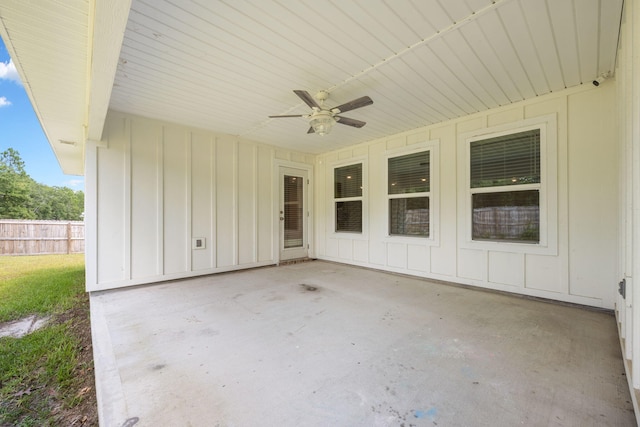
(352, 105)
(311, 130)
(308, 99)
(291, 115)
(349, 122)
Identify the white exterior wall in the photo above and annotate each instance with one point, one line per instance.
(153, 186)
(578, 262)
(628, 103)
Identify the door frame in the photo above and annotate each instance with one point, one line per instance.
(276, 206)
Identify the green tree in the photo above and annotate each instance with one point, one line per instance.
(15, 187)
(41, 200)
(12, 160)
(66, 204)
(23, 198)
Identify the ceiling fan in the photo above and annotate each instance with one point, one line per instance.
(322, 119)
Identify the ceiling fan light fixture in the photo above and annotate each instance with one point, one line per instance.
(322, 123)
(322, 119)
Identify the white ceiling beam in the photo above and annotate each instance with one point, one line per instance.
(107, 24)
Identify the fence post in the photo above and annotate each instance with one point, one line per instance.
(68, 238)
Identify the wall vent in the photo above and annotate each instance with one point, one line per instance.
(198, 243)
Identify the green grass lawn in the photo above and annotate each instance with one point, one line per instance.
(43, 284)
(39, 373)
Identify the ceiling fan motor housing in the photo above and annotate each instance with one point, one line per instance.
(322, 96)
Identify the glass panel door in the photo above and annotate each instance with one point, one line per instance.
(293, 213)
(293, 209)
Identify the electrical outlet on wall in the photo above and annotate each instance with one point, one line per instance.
(198, 243)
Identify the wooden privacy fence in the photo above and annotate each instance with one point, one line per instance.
(26, 237)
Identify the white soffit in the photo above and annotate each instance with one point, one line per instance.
(227, 65)
(47, 41)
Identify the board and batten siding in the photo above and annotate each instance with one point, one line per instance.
(628, 266)
(154, 187)
(579, 261)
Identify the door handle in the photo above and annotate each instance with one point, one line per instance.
(281, 218)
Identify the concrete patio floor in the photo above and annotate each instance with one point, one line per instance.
(324, 344)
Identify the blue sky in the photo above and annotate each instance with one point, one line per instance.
(21, 130)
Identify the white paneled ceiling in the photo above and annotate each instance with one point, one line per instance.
(227, 65)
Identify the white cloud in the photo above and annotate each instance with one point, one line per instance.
(8, 72)
(4, 102)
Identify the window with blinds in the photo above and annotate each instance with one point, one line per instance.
(408, 189)
(505, 187)
(506, 160)
(348, 198)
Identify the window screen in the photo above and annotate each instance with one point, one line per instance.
(409, 217)
(507, 216)
(349, 216)
(506, 160)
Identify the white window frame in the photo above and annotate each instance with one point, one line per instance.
(433, 147)
(362, 198)
(548, 186)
